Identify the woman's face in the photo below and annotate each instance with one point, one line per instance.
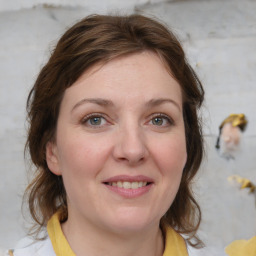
(120, 144)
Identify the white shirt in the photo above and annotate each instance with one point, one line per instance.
(28, 247)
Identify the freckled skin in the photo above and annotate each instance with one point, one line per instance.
(126, 140)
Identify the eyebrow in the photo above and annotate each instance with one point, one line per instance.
(109, 103)
(157, 102)
(98, 101)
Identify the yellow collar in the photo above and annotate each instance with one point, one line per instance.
(59, 242)
(242, 247)
(174, 243)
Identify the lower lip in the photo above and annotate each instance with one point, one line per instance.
(130, 193)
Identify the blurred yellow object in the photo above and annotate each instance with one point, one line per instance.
(242, 248)
(236, 120)
(245, 183)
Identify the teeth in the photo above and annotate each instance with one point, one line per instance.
(128, 185)
(135, 185)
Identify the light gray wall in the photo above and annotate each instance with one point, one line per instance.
(220, 40)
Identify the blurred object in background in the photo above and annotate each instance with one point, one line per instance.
(230, 130)
(242, 248)
(245, 183)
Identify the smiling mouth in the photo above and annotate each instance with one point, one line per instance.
(128, 184)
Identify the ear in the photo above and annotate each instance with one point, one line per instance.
(52, 158)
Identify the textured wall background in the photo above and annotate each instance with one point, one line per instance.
(220, 40)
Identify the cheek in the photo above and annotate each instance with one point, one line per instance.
(171, 155)
(83, 156)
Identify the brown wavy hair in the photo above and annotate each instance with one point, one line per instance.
(99, 39)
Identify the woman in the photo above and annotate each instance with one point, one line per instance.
(116, 141)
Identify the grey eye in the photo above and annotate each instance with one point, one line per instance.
(157, 121)
(95, 120)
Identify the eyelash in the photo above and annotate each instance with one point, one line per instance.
(163, 116)
(91, 116)
(102, 116)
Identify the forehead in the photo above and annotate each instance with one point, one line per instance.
(141, 74)
(147, 58)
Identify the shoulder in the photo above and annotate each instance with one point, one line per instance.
(176, 244)
(29, 247)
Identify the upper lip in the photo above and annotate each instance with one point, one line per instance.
(128, 178)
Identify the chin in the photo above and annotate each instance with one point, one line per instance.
(133, 222)
(128, 228)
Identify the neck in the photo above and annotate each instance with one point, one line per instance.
(96, 241)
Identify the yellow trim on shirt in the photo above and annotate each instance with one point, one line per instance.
(174, 243)
(59, 242)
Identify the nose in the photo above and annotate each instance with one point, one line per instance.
(130, 146)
